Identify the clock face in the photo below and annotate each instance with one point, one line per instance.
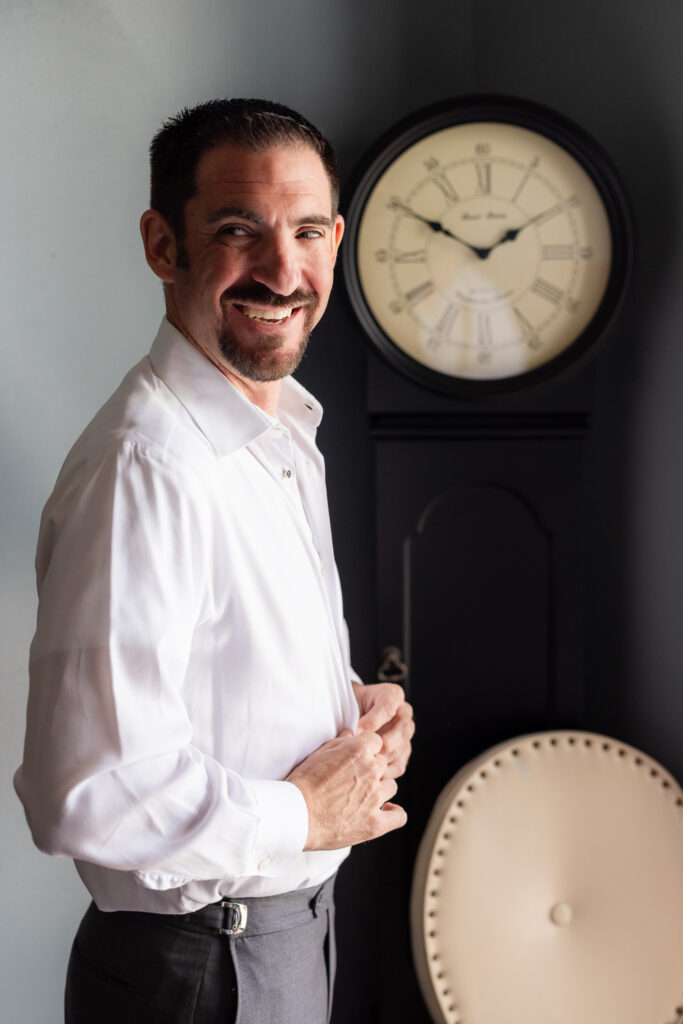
(481, 251)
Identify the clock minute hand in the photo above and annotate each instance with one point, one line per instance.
(436, 226)
(511, 234)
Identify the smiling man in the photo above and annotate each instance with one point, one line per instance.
(196, 738)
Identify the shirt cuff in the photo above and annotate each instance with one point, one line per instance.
(282, 827)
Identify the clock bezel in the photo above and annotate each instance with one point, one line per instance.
(575, 141)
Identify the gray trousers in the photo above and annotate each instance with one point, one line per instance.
(138, 968)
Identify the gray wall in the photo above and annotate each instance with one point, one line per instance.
(83, 85)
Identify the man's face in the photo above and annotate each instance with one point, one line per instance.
(257, 257)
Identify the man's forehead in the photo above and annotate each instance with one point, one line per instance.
(294, 169)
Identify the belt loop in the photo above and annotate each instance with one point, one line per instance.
(234, 918)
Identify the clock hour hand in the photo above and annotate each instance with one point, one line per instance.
(435, 225)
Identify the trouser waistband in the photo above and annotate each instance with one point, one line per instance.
(259, 915)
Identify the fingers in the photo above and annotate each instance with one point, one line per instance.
(348, 788)
(389, 788)
(384, 710)
(399, 730)
(364, 739)
(393, 816)
(378, 704)
(370, 745)
(397, 768)
(396, 740)
(370, 741)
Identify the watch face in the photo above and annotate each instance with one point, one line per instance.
(482, 251)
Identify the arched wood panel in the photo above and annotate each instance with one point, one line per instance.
(478, 624)
(479, 581)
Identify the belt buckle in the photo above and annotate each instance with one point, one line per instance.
(235, 918)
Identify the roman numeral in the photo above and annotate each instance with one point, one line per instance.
(547, 291)
(448, 318)
(414, 256)
(558, 252)
(483, 177)
(443, 183)
(525, 324)
(484, 329)
(420, 292)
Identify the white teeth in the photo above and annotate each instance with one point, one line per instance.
(267, 316)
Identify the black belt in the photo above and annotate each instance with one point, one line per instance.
(258, 915)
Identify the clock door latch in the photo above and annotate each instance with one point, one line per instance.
(392, 668)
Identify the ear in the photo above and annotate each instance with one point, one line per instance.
(160, 245)
(337, 232)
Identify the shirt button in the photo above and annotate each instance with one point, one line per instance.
(264, 864)
(286, 473)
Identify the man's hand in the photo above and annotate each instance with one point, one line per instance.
(385, 711)
(346, 788)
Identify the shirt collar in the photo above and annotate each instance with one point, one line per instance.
(225, 416)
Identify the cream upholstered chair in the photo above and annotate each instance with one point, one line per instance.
(548, 888)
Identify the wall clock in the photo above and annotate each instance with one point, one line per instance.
(488, 246)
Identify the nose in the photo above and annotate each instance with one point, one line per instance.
(277, 265)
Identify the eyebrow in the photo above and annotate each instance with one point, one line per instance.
(225, 212)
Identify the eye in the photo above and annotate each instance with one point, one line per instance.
(233, 231)
(311, 233)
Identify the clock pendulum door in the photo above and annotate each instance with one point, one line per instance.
(479, 566)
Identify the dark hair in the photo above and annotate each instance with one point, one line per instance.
(177, 147)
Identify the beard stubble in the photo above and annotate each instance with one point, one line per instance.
(265, 362)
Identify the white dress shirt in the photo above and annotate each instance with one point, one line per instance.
(190, 647)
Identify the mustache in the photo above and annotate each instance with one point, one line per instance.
(260, 295)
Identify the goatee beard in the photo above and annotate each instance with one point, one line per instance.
(265, 362)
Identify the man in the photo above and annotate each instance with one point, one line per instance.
(196, 739)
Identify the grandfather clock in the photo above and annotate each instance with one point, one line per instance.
(488, 249)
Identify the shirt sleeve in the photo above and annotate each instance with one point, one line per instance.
(110, 773)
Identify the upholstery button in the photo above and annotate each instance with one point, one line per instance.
(561, 914)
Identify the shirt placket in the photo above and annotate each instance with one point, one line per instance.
(275, 451)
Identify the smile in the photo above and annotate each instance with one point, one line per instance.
(266, 316)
